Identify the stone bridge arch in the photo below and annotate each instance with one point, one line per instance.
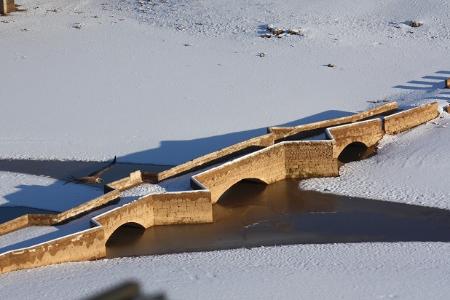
(111, 230)
(353, 152)
(267, 166)
(230, 185)
(367, 133)
(218, 188)
(119, 228)
(138, 213)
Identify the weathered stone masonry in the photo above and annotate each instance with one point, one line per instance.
(310, 159)
(276, 161)
(410, 118)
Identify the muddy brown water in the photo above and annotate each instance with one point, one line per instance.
(252, 214)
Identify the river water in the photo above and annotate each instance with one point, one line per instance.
(252, 214)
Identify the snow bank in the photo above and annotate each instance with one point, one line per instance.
(410, 168)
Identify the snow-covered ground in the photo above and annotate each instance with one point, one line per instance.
(165, 81)
(152, 93)
(334, 271)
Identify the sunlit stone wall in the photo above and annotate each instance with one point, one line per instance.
(410, 118)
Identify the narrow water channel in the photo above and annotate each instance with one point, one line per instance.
(252, 214)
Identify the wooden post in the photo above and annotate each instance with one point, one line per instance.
(447, 83)
(3, 7)
(7, 6)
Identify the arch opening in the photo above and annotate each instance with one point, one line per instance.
(125, 234)
(356, 151)
(241, 191)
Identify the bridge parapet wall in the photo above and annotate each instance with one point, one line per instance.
(285, 131)
(410, 118)
(182, 208)
(80, 246)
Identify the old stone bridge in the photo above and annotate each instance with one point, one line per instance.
(309, 150)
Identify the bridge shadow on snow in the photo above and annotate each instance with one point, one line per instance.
(59, 197)
(431, 86)
(180, 151)
(152, 160)
(55, 195)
